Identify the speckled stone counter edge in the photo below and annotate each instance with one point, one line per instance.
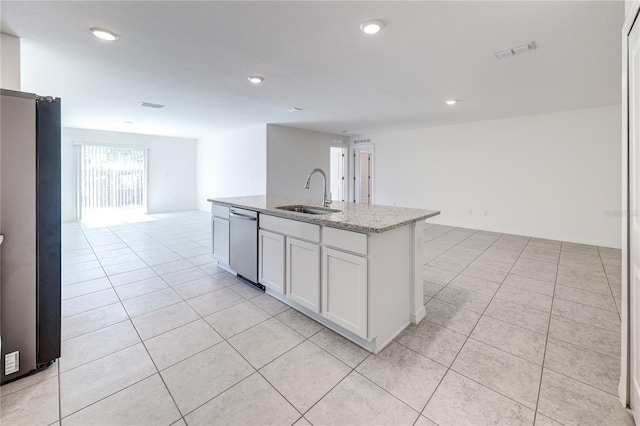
(352, 216)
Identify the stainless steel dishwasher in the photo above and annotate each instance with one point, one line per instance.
(243, 243)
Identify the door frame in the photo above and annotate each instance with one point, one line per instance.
(624, 387)
(353, 153)
(345, 170)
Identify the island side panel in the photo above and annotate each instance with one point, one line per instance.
(418, 311)
(390, 276)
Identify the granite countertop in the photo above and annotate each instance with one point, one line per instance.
(352, 216)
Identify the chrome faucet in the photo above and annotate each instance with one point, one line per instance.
(327, 195)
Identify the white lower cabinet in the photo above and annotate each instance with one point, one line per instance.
(303, 273)
(221, 239)
(344, 290)
(271, 263)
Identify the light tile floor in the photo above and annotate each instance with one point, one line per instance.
(518, 331)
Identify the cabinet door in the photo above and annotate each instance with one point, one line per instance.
(344, 290)
(303, 273)
(221, 240)
(271, 260)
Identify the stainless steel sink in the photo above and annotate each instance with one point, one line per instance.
(308, 209)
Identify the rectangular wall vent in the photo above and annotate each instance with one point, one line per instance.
(361, 141)
(151, 105)
(338, 141)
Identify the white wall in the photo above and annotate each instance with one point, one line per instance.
(551, 176)
(291, 155)
(232, 164)
(9, 62)
(630, 7)
(171, 168)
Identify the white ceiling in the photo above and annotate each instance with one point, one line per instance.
(195, 57)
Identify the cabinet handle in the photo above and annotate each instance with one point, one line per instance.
(241, 216)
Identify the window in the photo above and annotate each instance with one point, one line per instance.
(112, 180)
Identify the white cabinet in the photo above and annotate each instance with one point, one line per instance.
(357, 284)
(271, 264)
(303, 273)
(220, 224)
(344, 290)
(220, 239)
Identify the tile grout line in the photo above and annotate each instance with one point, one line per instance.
(546, 342)
(137, 332)
(129, 320)
(471, 332)
(609, 283)
(225, 340)
(142, 341)
(354, 369)
(59, 394)
(456, 275)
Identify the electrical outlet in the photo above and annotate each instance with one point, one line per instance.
(470, 211)
(485, 213)
(11, 363)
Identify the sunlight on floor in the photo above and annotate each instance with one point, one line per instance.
(109, 217)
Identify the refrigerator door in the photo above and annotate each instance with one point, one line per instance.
(18, 225)
(49, 229)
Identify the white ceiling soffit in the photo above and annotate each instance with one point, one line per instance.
(195, 57)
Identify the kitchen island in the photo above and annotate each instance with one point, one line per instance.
(356, 269)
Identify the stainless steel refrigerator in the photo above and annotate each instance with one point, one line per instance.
(30, 220)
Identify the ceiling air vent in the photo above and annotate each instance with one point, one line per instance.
(501, 54)
(151, 105)
(361, 141)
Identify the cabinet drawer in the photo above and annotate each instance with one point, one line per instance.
(293, 228)
(345, 240)
(220, 211)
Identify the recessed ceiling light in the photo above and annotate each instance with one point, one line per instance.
(371, 27)
(256, 79)
(451, 102)
(294, 109)
(103, 34)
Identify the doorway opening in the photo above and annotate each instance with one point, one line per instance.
(112, 183)
(363, 174)
(337, 172)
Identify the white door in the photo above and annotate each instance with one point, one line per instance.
(303, 273)
(271, 260)
(634, 219)
(344, 290)
(362, 174)
(365, 178)
(336, 173)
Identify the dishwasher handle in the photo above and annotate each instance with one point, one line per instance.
(242, 216)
